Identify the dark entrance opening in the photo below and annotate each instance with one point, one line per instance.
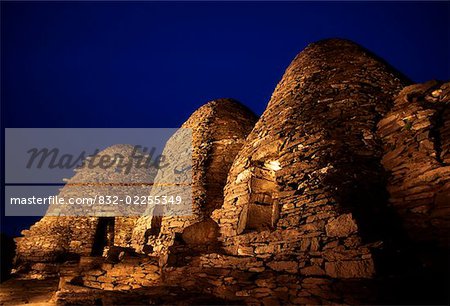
(104, 235)
(263, 208)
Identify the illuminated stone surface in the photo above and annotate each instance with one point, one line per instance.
(338, 194)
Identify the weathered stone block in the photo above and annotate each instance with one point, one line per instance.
(312, 270)
(287, 266)
(342, 226)
(350, 269)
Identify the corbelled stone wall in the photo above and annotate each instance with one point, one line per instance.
(68, 230)
(129, 272)
(219, 129)
(52, 237)
(304, 191)
(416, 139)
(293, 210)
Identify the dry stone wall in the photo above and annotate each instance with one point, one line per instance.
(245, 280)
(416, 139)
(130, 272)
(293, 210)
(219, 129)
(302, 192)
(68, 230)
(52, 237)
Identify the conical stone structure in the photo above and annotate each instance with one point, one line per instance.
(303, 192)
(416, 139)
(303, 218)
(219, 129)
(82, 230)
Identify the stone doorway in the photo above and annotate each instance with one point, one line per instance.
(263, 209)
(104, 235)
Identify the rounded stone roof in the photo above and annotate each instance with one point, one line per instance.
(313, 155)
(218, 131)
(71, 228)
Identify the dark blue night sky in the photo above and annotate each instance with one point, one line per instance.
(151, 64)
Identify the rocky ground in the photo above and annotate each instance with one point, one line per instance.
(28, 291)
(43, 293)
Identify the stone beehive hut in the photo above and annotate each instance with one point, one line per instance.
(219, 129)
(416, 139)
(302, 191)
(87, 230)
(292, 210)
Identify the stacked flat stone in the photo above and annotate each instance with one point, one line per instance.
(219, 129)
(302, 191)
(416, 139)
(293, 210)
(129, 273)
(72, 229)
